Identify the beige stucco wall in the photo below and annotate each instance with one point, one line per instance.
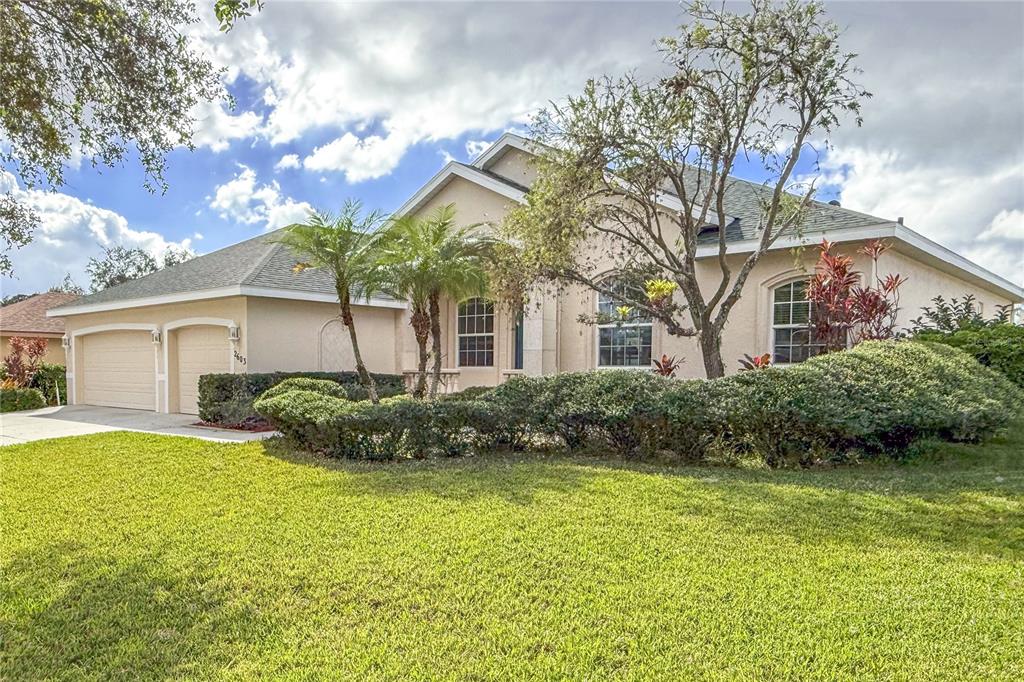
(564, 344)
(54, 349)
(515, 165)
(284, 335)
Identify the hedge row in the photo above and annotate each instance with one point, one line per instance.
(228, 398)
(398, 427)
(52, 382)
(879, 398)
(999, 346)
(16, 399)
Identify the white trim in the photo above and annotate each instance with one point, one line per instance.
(192, 322)
(444, 176)
(500, 145)
(117, 326)
(880, 231)
(222, 292)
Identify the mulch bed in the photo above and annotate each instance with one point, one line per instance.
(252, 424)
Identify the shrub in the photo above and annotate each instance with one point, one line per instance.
(999, 346)
(469, 393)
(879, 397)
(581, 407)
(398, 427)
(228, 398)
(685, 419)
(52, 382)
(326, 387)
(16, 399)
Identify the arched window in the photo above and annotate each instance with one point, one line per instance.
(793, 336)
(621, 342)
(476, 333)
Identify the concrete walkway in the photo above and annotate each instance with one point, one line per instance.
(78, 420)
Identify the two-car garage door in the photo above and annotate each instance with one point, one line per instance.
(119, 367)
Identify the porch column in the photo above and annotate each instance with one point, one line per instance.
(539, 319)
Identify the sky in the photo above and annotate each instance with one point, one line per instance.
(369, 100)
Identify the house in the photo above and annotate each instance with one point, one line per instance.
(144, 344)
(27, 318)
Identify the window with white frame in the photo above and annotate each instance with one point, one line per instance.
(476, 333)
(621, 342)
(793, 335)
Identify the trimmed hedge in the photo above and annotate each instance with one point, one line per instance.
(398, 427)
(878, 398)
(999, 346)
(17, 399)
(326, 387)
(228, 398)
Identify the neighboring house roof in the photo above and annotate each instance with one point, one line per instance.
(29, 316)
(256, 267)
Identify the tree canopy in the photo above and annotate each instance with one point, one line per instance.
(634, 174)
(96, 80)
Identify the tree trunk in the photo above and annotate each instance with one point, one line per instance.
(435, 333)
(711, 349)
(421, 328)
(364, 377)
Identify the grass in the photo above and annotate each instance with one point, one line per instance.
(139, 556)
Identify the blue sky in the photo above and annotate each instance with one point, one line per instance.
(371, 98)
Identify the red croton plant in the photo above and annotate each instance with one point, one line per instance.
(19, 369)
(844, 310)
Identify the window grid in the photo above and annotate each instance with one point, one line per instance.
(476, 333)
(625, 343)
(793, 336)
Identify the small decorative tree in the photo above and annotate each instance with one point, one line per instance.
(24, 360)
(845, 311)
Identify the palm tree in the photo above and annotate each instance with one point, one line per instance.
(348, 246)
(432, 258)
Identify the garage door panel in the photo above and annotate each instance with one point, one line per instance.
(201, 350)
(118, 370)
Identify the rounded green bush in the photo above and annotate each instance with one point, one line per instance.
(321, 386)
(17, 399)
(1000, 346)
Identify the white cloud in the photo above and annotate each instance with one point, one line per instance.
(69, 233)
(415, 74)
(360, 159)
(977, 212)
(243, 200)
(287, 161)
(216, 128)
(475, 148)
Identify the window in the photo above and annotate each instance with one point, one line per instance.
(793, 336)
(476, 333)
(622, 343)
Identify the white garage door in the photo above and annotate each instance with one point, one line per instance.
(119, 369)
(201, 350)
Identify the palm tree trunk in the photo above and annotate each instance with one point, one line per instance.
(421, 328)
(435, 332)
(364, 376)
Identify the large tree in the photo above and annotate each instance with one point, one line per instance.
(632, 172)
(120, 264)
(347, 246)
(95, 79)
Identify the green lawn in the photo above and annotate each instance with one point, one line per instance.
(136, 556)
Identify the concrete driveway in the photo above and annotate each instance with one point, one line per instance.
(77, 420)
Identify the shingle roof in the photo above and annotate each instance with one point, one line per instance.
(744, 200)
(29, 316)
(256, 262)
